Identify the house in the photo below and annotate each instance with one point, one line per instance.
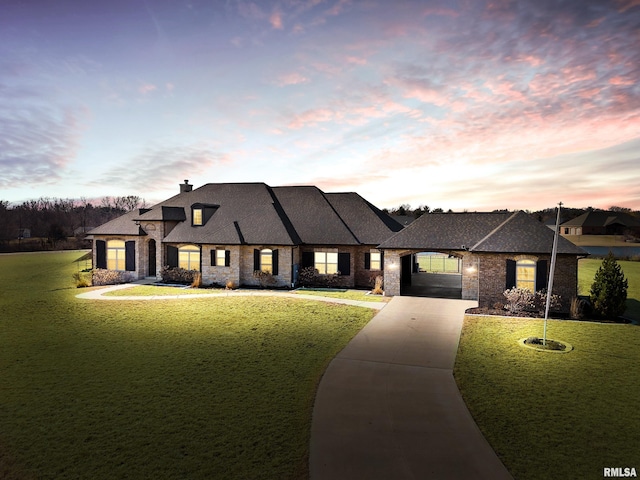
(601, 223)
(228, 231)
(496, 251)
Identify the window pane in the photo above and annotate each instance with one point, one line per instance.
(189, 257)
(526, 274)
(375, 261)
(115, 255)
(197, 216)
(220, 258)
(266, 262)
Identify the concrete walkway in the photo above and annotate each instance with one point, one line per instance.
(99, 294)
(388, 406)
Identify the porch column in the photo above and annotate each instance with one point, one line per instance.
(391, 273)
(470, 276)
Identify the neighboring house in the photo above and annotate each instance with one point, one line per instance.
(228, 231)
(497, 251)
(601, 223)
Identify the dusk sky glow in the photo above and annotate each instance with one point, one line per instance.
(469, 104)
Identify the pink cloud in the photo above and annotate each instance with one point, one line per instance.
(294, 78)
(621, 81)
(311, 118)
(276, 20)
(356, 60)
(147, 88)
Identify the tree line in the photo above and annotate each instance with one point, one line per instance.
(568, 213)
(48, 223)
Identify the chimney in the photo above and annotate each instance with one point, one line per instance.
(185, 187)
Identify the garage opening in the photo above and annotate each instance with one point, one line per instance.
(431, 274)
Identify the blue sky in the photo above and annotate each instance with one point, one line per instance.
(465, 104)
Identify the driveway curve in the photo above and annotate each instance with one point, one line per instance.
(388, 406)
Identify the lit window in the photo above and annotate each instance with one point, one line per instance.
(197, 216)
(116, 255)
(326, 262)
(221, 256)
(189, 257)
(266, 260)
(526, 275)
(376, 261)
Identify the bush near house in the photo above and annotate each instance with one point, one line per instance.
(310, 277)
(178, 275)
(523, 300)
(109, 277)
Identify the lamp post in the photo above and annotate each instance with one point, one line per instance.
(551, 273)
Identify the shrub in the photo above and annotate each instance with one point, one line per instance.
(540, 301)
(82, 279)
(197, 280)
(109, 277)
(518, 299)
(178, 275)
(377, 287)
(579, 308)
(230, 285)
(609, 289)
(265, 278)
(310, 277)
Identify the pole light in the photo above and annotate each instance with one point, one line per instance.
(554, 251)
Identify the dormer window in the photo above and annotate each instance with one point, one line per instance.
(198, 217)
(201, 213)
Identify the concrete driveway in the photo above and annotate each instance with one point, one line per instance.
(388, 407)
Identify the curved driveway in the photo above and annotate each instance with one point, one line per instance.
(388, 406)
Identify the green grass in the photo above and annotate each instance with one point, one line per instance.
(160, 291)
(551, 415)
(351, 294)
(438, 263)
(587, 268)
(212, 388)
(154, 290)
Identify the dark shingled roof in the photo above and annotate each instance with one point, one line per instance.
(602, 219)
(480, 232)
(123, 225)
(366, 221)
(313, 217)
(254, 213)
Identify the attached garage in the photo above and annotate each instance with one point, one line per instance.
(493, 251)
(431, 274)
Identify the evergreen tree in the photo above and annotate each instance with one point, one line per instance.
(609, 289)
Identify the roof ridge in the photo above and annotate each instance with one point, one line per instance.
(284, 218)
(324, 196)
(492, 232)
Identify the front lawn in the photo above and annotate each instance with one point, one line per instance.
(211, 388)
(551, 415)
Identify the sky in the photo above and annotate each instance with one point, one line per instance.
(458, 104)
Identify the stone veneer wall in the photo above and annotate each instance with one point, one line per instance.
(358, 277)
(219, 275)
(246, 265)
